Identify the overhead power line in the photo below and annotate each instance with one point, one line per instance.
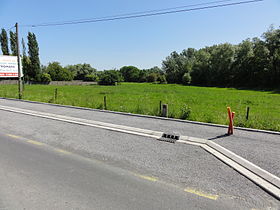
(138, 13)
(144, 14)
(9, 29)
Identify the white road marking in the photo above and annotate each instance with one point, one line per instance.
(261, 177)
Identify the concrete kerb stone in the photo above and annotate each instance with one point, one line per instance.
(245, 163)
(147, 116)
(261, 177)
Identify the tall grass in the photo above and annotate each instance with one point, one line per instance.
(187, 102)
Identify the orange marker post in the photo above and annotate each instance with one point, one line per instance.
(230, 116)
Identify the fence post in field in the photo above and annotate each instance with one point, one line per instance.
(247, 114)
(105, 102)
(55, 95)
(164, 112)
(160, 106)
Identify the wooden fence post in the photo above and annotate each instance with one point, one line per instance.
(247, 114)
(164, 112)
(105, 102)
(55, 95)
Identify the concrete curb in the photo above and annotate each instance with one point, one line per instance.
(147, 116)
(245, 163)
(264, 179)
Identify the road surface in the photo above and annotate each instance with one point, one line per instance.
(112, 170)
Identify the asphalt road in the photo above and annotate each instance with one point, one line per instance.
(261, 149)
(35, 176)
(177, 167)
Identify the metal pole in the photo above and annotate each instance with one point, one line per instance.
(19, 71)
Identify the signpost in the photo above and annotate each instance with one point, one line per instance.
(19, 66)
(10, 66)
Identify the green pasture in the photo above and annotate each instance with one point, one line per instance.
(202, 104)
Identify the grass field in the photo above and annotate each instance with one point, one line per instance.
(186, 102)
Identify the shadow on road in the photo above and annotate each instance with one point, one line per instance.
(218, 137)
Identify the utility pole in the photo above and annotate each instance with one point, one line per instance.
(19, 71)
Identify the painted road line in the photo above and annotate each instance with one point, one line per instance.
(201, 194)
(149, 178)
(13, 136)
(27, 140)
(218, 151)
(62, 151)
(35, 142)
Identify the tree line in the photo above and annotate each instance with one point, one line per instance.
(252, 63)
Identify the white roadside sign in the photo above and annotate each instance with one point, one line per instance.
(9, 66)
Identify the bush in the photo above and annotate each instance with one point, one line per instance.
(186, 79)
(152, 77)
(130, 73)
(46, 78)
(111, 77)
(162, 79)
(58, 73)
(91, 78)
(185, 112)
(81, 71)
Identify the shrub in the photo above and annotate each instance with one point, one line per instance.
(111, 77)
(162, 79)
(186, 79)
(185, 112)
(58, 73)
(46, 78)
(91, 78)
(152, 77)
(130, 73)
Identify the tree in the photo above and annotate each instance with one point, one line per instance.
(58, 73)
(186, 79)
(221, 60)
(176, 65)
(162, 79)
(13, 43)
(272, 42)
(4, 42)
(200, 73)
(259, 75)
(81, 71)
(155, 69)
(243, 66)
(110, 77)
(33, 51)
(130, 73)
(26, 63)
(152, 77)
(91, 78)
(46, 78)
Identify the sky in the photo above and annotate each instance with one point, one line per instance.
(142, 42)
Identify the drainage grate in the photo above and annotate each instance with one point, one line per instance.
(171, 138)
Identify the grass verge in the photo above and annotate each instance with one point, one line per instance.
(185, 102)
